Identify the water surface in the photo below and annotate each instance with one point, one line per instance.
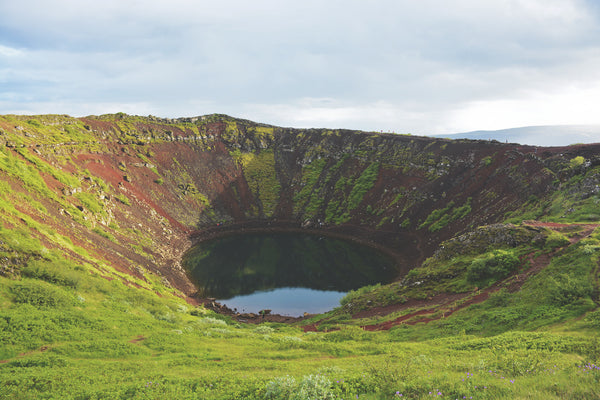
(288, 273)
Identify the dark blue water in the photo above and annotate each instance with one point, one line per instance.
(288, 273)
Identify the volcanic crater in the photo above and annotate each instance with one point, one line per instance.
(148, 189)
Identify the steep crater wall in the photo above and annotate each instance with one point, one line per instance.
(138, 191)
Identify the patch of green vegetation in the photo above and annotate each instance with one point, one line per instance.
(148, 163)
(310, 176)
(362, 185)
(492, 266)
(237, 156)
(576, 162)
(91, 202)
(440, 218)
(575, 199)
(64, 178)
(397, 198)
(123, 199)
(259, 171)
(25, 172)
(104, 234)
(555, 240)
(39, 294)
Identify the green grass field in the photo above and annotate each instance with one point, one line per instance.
(67, 333)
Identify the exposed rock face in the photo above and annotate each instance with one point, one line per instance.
(137, 190)
(489, 237)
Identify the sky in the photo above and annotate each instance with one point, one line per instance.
(406, 66)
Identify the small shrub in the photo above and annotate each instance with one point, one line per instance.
(593, 319)
(314, 387)
(287, 342)
(198, 312)
(495, 265)
(263, 330)
(213, 321)
(310, 387)
(564, 289)
(281, 388)
(555, 240)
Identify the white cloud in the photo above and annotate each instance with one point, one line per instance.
(427, 66)
(574, 104)
(324, 112)
(6, 51)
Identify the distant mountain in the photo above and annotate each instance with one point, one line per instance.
(549, 135)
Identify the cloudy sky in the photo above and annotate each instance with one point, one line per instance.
(409, 66)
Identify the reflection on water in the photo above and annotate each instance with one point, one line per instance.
(287, 301)
(289, 273)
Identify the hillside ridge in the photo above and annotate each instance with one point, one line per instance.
(214, 173)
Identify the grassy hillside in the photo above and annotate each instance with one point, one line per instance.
(502, 243)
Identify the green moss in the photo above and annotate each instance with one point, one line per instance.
(363, 184)
(331, 211)
(397, 197)
(576, 162)
(123, 199)
(259, 172)
(237, 156)
(91, 202)
(440, 218)
(310, 176)
(104, 234)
